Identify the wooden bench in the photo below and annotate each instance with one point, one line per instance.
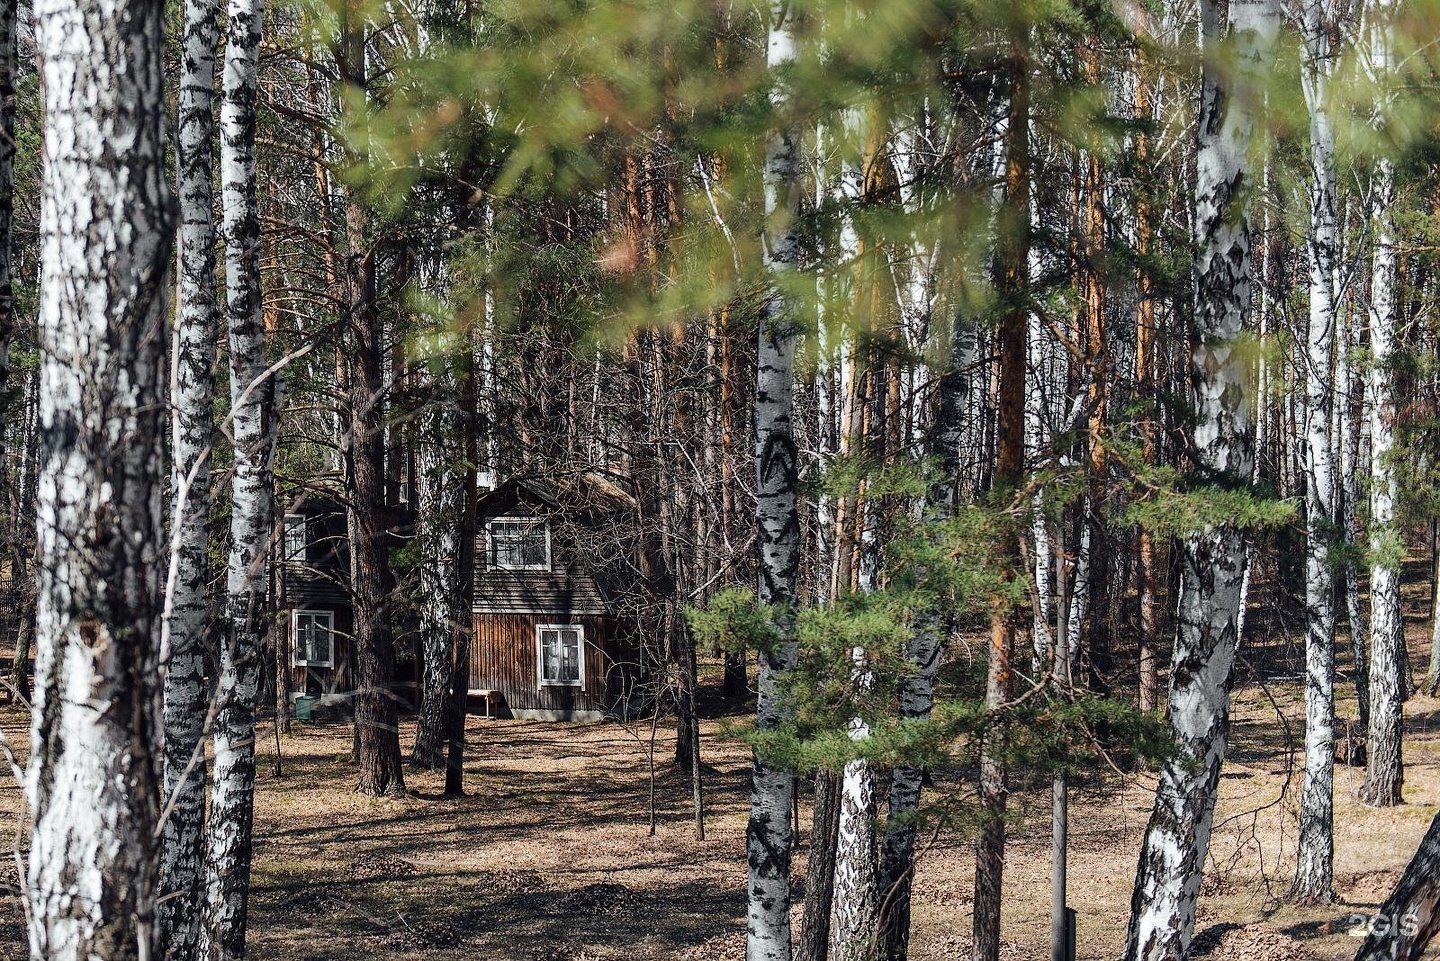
(483, 692)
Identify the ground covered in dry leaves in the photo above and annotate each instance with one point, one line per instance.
(549, 856)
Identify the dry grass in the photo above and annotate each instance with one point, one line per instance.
(549, 856)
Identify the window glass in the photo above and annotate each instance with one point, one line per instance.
(561, 654)
(315, 638)
(519, 544)
(295, 539)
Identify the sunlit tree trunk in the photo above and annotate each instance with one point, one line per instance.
(1384, 769)
(439, 519)
(768, 835)
(1410, 917)
(368, 520)
(106, 234)
(182, 849)
(1172, 858)
(1314, 871)
(237, 682)
(1010, 269)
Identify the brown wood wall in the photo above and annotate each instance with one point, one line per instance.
(502, 658)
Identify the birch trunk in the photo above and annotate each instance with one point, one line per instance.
(1410, 917)
(237, 682)
(1384, 768)
(917, 688)
(1172, 859)
(439, 519)
(1350, 428)
(768, 833)
(1314, 870)
(93, 783)
(182, 849)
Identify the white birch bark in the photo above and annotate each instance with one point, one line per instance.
(1349, 488)
(182, 852)
(93, 783)
(768, 833)
(1172, 859)
(1314, 871)
(1384, 770)
(227, 883)
(441, 514)
(1384, 767)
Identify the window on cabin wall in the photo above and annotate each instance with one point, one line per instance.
(314, 635)
(561, 655)
(519, 543)
(295, 537)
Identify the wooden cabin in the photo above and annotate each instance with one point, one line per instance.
(552, 639)
(312, 584)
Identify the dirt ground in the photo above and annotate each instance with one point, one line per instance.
(549, 856)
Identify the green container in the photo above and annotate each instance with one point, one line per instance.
(305, 707)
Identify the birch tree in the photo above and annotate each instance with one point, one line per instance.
(237, 683)
(768, 834)
(1314, 871)
(1172, 857)
(93, 783)
(186, 694)
(1384, 767)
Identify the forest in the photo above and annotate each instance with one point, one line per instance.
(827, 480)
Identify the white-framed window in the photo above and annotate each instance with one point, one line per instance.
(313, 634)
(519, 543)
(296, 537)
(560, 655)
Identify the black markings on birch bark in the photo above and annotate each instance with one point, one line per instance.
(237, 683)
(768, 835)
(1167, 883)
(182, 865)
(106, 227)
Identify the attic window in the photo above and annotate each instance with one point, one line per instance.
(314, 635)
(519, 543)
(295, 537)
(561, 655)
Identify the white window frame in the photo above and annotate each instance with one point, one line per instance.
(540, 630)
(318, 614)
(490, 562)
(292, 521)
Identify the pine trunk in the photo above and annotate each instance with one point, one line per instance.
(93, 784)
(768, 835)
(237, 682)
(377, 731)
(1314, 871)
(1010, 267)
(8, 53)
(187, 696)
(1172, 859)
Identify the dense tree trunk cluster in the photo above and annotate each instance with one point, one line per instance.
(988, 363)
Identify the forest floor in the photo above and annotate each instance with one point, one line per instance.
(549, 856)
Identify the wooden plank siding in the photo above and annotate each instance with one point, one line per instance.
(503, 659)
